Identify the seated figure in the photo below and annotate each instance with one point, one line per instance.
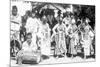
(28, 52)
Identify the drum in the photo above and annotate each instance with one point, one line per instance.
(29, 57)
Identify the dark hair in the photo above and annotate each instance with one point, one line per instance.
(14, 7)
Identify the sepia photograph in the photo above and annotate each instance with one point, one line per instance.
(44, 33)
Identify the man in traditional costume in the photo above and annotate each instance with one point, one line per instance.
(45, 37)
(87, 38)
(59, 32)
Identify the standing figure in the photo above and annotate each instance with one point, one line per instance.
(67, 21)
(15, 21)
(22, 28)
(45, 31)
(59, 31)
(74, 36)
(87, 38)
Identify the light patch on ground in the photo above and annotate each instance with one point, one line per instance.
(53, 60)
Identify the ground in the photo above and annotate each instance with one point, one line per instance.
(53, 60)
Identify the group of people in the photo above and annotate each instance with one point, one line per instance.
(40, 31)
